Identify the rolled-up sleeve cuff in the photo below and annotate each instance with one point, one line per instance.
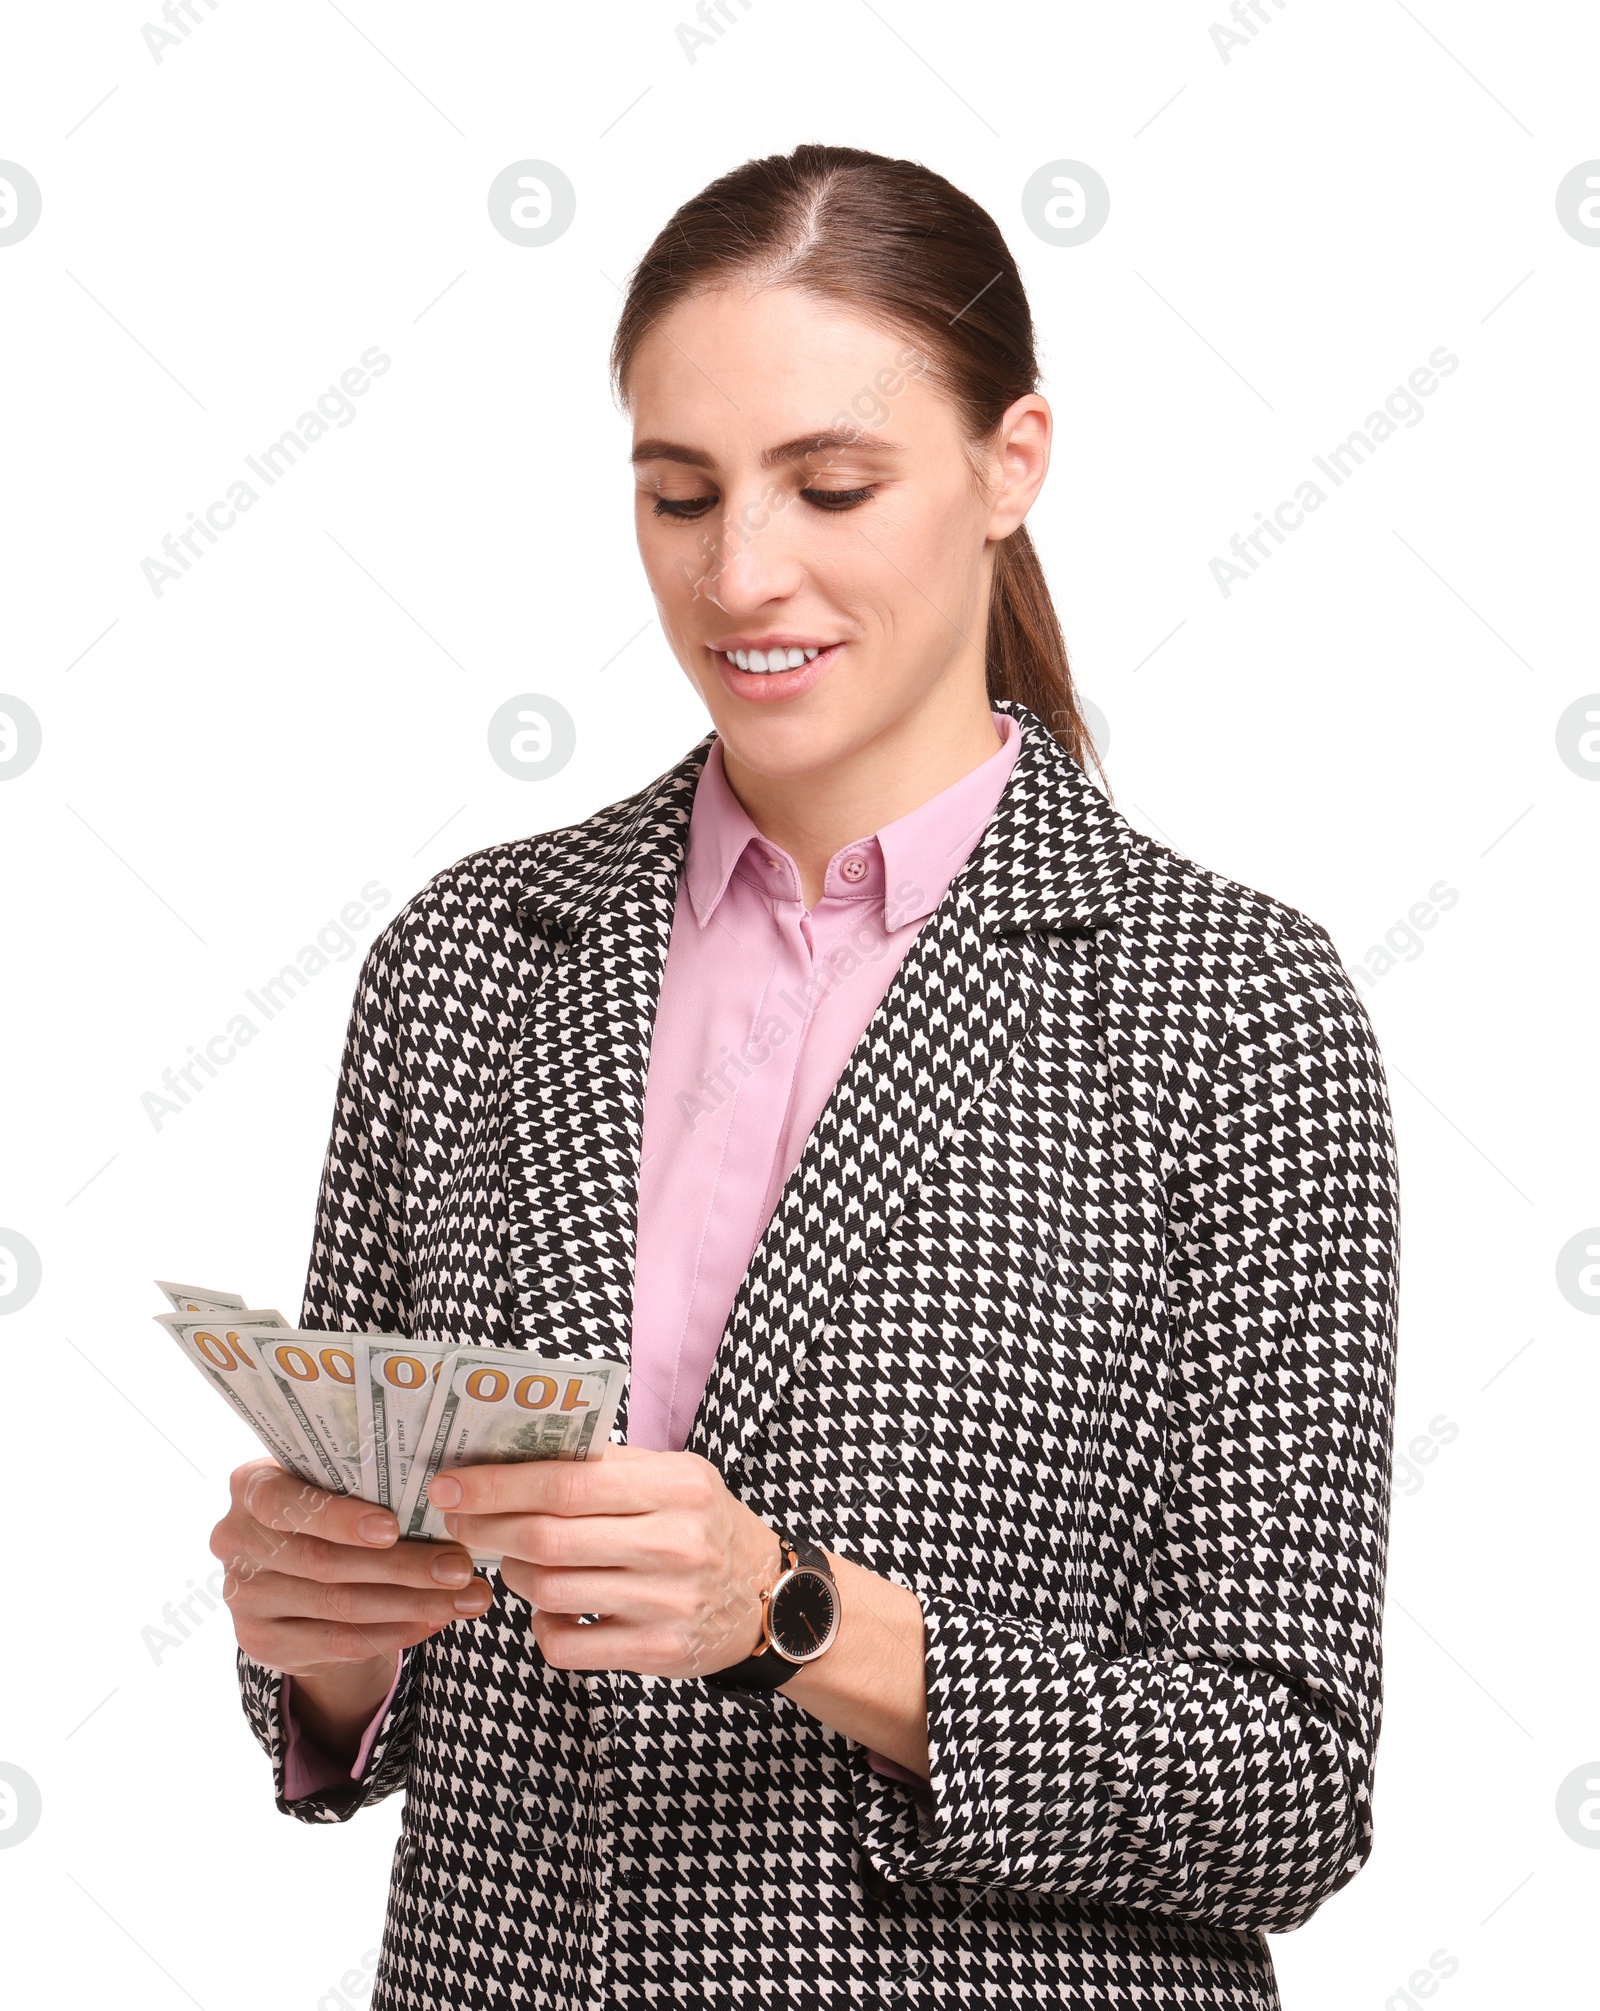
(381, 1763)
(306, 1767)
(995, 1728)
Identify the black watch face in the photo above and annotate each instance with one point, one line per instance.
(804, 1615)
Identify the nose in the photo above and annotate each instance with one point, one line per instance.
(751, 559)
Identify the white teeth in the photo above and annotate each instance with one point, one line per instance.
(763, 660)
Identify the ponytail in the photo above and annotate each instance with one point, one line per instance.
(1025, 653)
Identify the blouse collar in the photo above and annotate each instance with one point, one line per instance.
(906, 866)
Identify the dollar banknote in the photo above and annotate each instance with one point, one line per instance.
(315, 1375)
(493, 1405)
(377, 1415)
(394, 1396)
(225, 1352)
(313, 1421)
(198, 1299)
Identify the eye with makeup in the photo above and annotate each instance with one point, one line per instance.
(837, 499)
(693, 507)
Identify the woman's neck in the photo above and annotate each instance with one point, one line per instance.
(814, 816)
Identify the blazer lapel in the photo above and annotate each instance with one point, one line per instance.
(601, 902)
(1051, 861)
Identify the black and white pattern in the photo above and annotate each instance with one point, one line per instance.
(1077, 1316)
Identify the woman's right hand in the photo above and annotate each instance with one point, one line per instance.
(320, 1587)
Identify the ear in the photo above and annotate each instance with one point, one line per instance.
(1019, 462)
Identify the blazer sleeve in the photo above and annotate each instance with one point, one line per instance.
(1221, 1769)
(358, 1281)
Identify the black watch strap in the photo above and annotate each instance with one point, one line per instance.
(768, 1668)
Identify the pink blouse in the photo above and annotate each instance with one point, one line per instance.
(762, 1002)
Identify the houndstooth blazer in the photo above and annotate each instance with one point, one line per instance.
(1077, 1316)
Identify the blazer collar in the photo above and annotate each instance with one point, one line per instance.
(1053, 858)
(633, 848)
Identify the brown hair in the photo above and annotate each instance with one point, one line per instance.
(899, 244)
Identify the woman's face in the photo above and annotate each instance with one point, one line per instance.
(802, 487)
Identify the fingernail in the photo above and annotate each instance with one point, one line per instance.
(444, 1491)
(451, 1570)
(377, 1529)
(472, 1600)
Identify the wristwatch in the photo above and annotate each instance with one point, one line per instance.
(799, 1620)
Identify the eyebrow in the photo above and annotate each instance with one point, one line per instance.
(828, 440)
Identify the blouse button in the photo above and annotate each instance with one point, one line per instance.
(854, 868)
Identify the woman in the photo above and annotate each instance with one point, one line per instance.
(998, 1211)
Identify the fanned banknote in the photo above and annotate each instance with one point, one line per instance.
(319, 1462)
(393, 1399)
(199, 1298)
(225, 1352)
(315, 1376)
(377, 1415)
(494, 1405)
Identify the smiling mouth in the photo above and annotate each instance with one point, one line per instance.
(761, 661)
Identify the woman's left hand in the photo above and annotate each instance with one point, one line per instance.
(651, 1541)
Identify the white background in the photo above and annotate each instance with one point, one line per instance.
(225, 765)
